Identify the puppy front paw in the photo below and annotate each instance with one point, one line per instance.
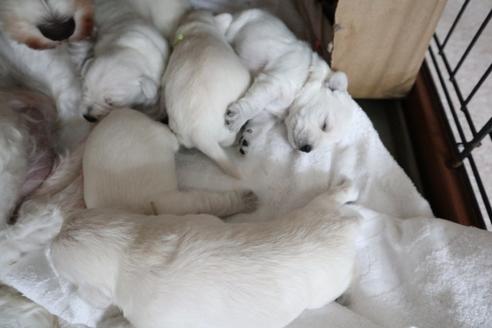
(249, 200)
(234, 117)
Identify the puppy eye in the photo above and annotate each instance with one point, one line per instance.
(324, 127)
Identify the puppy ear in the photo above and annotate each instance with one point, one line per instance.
(337, 82)
(149, 88)
(223, 21)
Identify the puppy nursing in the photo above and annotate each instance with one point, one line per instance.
(197, 271)
(203, 77)
(162, 255)
(128, 62)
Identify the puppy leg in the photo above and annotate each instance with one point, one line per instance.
(273, 90)
(218, 203)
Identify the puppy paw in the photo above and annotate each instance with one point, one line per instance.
(249, 200)
(246, 138)
(234, 117)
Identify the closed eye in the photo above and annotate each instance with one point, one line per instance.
(324, 127)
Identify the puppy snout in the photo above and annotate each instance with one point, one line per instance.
(90, 118)
(306, 148)
(57, 29)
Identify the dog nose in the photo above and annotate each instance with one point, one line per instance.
(90, 118)
(58, 30)
(306, 148)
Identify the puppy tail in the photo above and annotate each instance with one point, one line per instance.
(215, 152)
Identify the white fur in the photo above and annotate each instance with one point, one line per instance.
(129, 58)
(129, 164)
(282, 65)
(279, 61)
(196, 271)
(14, 140)
(203, 77)
(164, 14)
(320, 112)
(45, 63)
(24, 150)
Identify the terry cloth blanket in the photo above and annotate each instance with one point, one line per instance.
(413, 270)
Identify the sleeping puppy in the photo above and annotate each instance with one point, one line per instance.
(129, 164)
(203, 77)
(279, 61)
(323, 110)
(129, 58)
(197, 271)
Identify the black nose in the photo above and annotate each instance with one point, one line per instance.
(58, 30)
(306, 148)
(90, 118)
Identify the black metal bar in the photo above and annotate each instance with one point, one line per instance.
(481, 189)
(474, 143)
(472, 43)
(457, 90)
(448, 97)
(478, 85)
(455, 22)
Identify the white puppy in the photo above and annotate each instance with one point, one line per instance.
(197, 271)
(26, 124)
(323, 110)
(203, 77)
(32, 41)
(129, 164)
(164, 14)
(128, 62)
(280, 62)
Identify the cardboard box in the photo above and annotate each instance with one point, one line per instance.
(380, 44)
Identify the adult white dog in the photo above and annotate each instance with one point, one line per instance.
(128, 62)
(203, 77)
(281, 63)
(164, 14)
(33, 40)
(129, 164)
(197, 271)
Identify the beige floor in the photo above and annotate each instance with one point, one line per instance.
(473, 67)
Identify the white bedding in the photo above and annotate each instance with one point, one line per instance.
(413, 269)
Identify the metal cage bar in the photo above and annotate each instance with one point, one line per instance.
(464, 146)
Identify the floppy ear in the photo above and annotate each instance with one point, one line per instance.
(149, 88)
(337, 81)
(223, 21)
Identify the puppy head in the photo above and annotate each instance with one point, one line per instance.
(44, 24)
(110, 83)
(320, 117)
